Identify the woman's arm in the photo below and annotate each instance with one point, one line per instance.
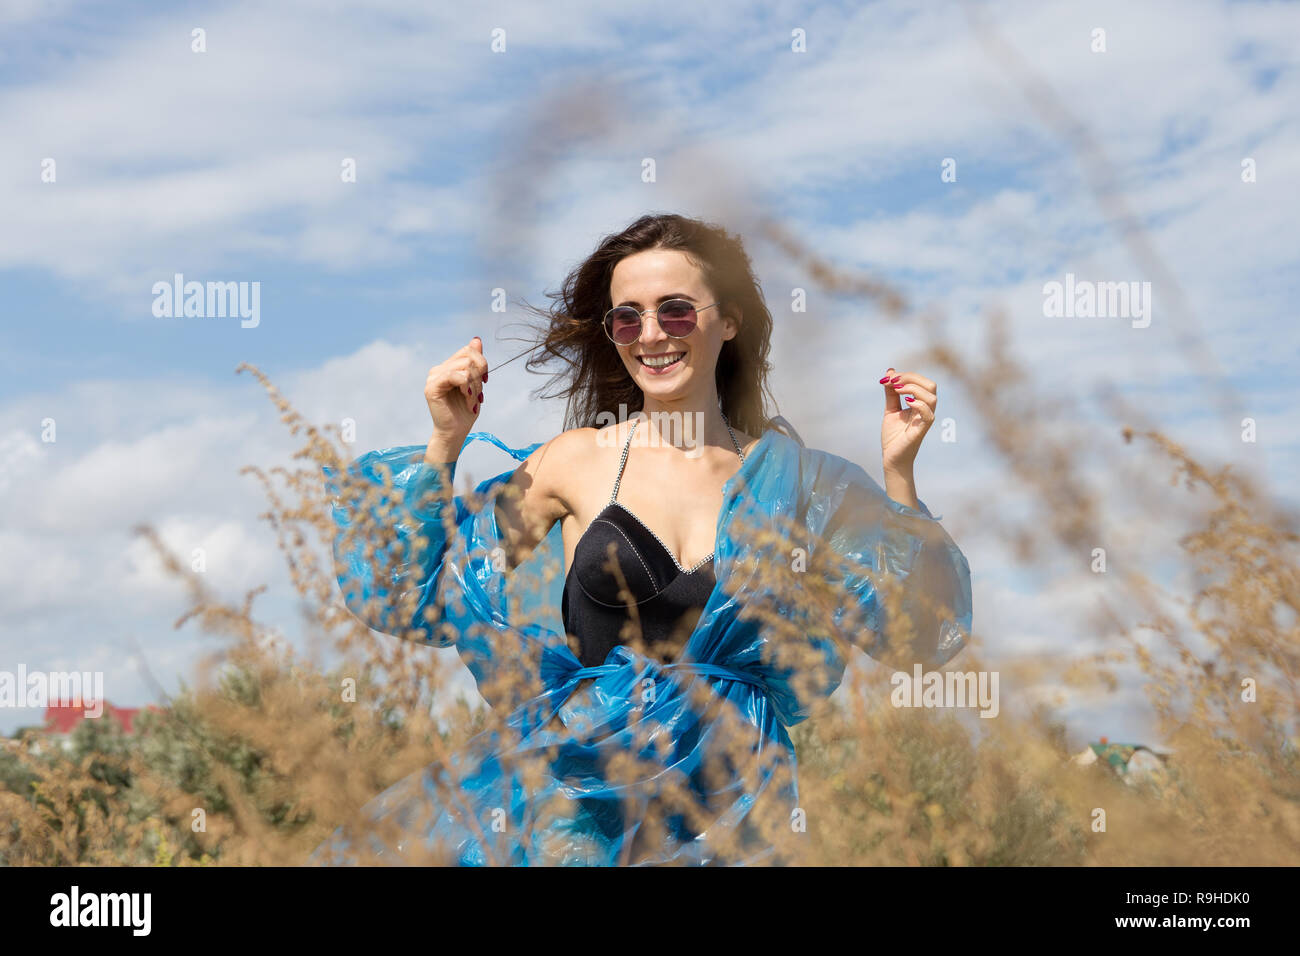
(537, 495)
(911, 542)
(397, 518)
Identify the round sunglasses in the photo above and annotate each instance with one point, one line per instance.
(677, 318)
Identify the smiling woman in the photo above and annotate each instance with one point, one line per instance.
(705, 603)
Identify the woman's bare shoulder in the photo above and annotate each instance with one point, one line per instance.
(579, 444)
(545, 487)
(560, 466)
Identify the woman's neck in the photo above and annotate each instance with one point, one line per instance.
(686, 423)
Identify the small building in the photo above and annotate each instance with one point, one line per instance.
(62, 718)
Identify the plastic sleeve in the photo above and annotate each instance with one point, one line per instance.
(391, 536)
(907, 584)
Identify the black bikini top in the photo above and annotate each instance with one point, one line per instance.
(668, 597)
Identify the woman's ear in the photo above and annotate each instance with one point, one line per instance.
(731, 321)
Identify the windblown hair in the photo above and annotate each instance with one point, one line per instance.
(594, 379)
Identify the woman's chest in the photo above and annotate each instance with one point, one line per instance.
(681, 527)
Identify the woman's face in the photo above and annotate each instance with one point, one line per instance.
(645, 279)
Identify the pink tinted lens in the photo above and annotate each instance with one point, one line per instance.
(624, 325)
(677, 318)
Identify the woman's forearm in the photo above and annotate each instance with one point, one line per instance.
(442, 450)
(901, 486)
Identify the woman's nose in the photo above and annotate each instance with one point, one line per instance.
(651, 330)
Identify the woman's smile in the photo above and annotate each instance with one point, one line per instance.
(661, 364)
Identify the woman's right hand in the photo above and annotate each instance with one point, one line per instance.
(454, 393)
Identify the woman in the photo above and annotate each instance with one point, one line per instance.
(714, 573)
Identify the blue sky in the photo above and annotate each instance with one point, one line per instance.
(479, 170)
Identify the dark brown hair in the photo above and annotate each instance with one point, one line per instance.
(594, 379)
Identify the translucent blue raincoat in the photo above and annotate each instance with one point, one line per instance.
(789, 510)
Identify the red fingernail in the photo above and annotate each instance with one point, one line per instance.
(475, 406)
(485, 375)
(884, 380)
(897, 378)
(480, 396)
(908, 398)
(899, 385)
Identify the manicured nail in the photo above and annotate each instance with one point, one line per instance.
(480, 396)
(475, 406)
(899, 385)
(884, 380)
(908, 398)
(485, 375)
(897, 378)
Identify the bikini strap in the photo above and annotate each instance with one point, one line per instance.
(733, 437)
(613, 495)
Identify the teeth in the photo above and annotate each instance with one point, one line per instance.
(659, 361)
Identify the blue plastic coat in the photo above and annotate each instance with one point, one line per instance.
(576, 815)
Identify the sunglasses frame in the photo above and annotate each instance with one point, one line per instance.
(641, 315)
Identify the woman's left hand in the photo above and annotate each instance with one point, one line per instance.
(906, 420)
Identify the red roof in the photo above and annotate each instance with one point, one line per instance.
(63, 717)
